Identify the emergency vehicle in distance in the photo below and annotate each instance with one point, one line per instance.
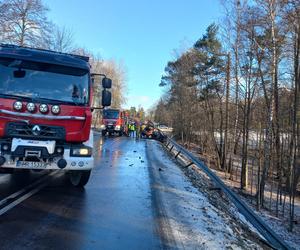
(45, 111)
(114, 121)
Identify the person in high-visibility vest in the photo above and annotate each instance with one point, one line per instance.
(133, 129)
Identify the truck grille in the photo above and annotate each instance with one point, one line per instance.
(30, 131)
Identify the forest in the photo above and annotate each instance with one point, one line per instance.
(234, 98)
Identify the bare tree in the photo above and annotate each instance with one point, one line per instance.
(62, 39)
(263, 118)
(117, 72)
(3, 21)
(25, 22)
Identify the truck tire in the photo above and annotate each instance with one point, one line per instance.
(79, 178)
(120, 133)
(103, 132)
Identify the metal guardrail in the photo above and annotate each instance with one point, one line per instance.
(271, 237)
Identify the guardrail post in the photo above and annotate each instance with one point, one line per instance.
(271, 237)
(190, 164)
(177, 154)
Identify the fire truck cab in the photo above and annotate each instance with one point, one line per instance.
(45, 111)
(113, 122)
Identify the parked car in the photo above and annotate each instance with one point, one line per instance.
(165, 128)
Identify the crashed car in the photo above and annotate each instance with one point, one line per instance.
(150, 132)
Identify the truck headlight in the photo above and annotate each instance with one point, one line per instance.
(81, 152)
(118, 127)
(102, 126)
(18, 105)
(55, 109)
(44, 108)
(31, 107)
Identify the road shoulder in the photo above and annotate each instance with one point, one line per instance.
(193, 216)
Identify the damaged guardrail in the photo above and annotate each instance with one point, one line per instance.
(271, 237)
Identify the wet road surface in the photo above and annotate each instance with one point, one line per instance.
(137, 198)
(113, 211)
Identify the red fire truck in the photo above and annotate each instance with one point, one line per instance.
(45, 111)
(113, 122)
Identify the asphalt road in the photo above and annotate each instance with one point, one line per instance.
(114, 211)
(137, 198)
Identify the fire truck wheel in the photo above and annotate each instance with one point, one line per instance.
(120, 133)
(79, 178)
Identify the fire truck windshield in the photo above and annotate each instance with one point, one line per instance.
(43, 81)
(111, 114)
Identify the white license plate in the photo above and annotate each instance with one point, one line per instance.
(32, 164)
(50, 145)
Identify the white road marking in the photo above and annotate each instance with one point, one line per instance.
(3, 177)
(16, 194)
(40, 183)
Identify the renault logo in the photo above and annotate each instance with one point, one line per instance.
(36, 130)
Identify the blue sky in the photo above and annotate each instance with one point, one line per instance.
(142, 34)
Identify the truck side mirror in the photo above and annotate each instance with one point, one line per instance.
(106, 98)
(106, 83)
